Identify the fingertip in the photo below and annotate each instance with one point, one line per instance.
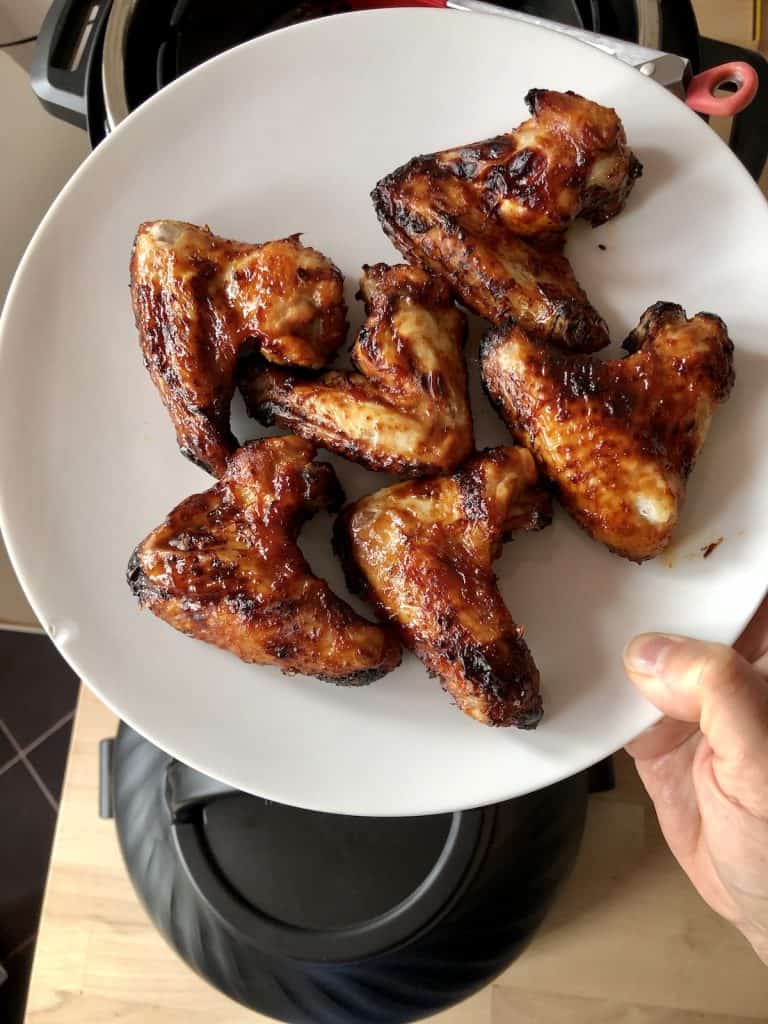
(644, 654)
(660, 665)
(707, 683)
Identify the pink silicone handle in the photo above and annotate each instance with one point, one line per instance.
(699, 95)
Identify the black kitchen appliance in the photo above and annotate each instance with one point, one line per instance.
(96, 60)
(329, 919)
(316, 918)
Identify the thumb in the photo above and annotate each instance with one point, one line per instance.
(712, 685)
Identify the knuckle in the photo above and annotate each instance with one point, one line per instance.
(719, 669)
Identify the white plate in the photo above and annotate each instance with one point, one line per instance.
(289, 133)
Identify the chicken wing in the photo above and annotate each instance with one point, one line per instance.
(490, 217)
(225, 567)
(421, 552)
(407, 409)
(618, 438)
(198, 299)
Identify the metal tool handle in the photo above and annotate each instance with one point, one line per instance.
(666, 68)
(631, 53)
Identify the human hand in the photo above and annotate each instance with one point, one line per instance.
(705, 764)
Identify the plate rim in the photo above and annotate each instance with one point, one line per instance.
(652, 715)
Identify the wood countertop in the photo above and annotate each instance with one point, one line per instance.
(628, 942)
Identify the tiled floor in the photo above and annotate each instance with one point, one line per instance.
(38, 692)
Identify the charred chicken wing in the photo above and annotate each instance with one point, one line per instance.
(198, 299)
(618, 437)
(225, 567)
(490, 217)
(407, 409)
(421, 552)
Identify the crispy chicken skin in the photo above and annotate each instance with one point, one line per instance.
(406, 410)
(198, 299)
(569, 159)
(618, 438)
(421, 553)
(225, 567)
(490, 217)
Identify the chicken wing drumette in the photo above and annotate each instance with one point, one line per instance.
(618, 438)
(421, 552)
(198, 299)
(490, 216)
(406, 410)
(225, 567)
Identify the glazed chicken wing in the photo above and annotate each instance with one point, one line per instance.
(618, 437)
(421, 552)
(225, 567)
(490, 217)
(198, 299)
(407, 409)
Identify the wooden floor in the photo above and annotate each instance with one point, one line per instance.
(629, 941)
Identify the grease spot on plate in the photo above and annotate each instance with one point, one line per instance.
(713, 545)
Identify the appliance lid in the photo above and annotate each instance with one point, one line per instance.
(148, 45)
(319, 887)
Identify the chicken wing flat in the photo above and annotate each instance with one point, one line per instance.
(198, 299)
(225, 567)
(421, 552)
(619, 437)
(490, 217)
(407, 409)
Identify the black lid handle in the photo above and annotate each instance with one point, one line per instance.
(62, 56)
(186, 790)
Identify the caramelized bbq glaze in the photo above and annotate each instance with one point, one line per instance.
(225, 568)
(198, 299)
(406, 410)
(421, 553)
(618, 438)
(490, 216)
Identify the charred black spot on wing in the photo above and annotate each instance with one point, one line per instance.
(390, 208)
(465, 164)
(243, 605)
(717, 368)
(201, 463)
(574, 322)
(135, 573)
(506, 674)
(363, 678)
(366, 343)
(520, 179)
(532, 98)
(530, 719)
(656, 317)
(137, 579)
